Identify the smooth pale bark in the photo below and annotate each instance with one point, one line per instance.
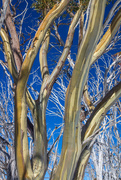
(92, 125)
(13, 71)
(39, 36)
(50, 79)
(20, 88)
(81, 164)
(100, 111)
(43, 55)
(72, 150)
(107, 37)
(22, 153)
(71, 147)
(40, 138)
(11, 65)
(101, 47)
(53, 76)
(21, 139)
(9, 55)
(81, 23)
(39, 116)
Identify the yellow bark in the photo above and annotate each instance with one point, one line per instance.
(71, 147)
(107, 37)
(9, 55)
(22, 153)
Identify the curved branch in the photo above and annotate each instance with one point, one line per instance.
(39, 36)
(58, 35)
(9, 55)
(82, 162)
(71, 147)
(14, 37)
(111, 13)
(100, 111)
(43, 55)
(39, 116)
(22, 152)
(92, 126)
(66, 50)
(13, 72)
(107, 37)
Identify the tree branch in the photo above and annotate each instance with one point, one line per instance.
(92, 126)
(15, 41)
(107, 37)
(43, 55)
(3, 13)
(100, 111)
(9, 55)
(71, 147)
(66, 50)
(22, 152)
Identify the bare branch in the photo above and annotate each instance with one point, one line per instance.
(3, 13)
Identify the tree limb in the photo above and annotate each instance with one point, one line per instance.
(9, 55)
(14, 37)
(92, 125)
(107, 37)
(22, 152)
(71, 147)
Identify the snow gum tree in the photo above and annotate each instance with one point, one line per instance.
(96, 32)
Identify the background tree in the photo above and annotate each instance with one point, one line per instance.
(84, 109)
(104, 162)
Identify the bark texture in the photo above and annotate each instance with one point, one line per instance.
(77, 139)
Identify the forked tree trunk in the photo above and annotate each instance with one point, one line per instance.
(76, 147)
